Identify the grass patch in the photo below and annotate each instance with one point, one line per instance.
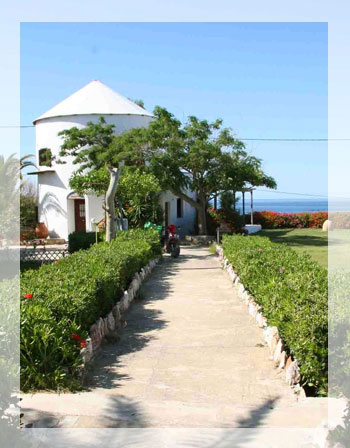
(212, 248)
(312, 241)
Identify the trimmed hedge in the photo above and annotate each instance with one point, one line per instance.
(293, 293)
(80, 239)
(9, 348)
(339, 333)
(64, 299)
(339, 347)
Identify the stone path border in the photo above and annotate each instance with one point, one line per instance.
(108, 326)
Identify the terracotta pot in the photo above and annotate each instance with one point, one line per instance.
(41, 231)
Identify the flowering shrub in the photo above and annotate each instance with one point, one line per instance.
(67, 298)
(231, 218)
(293, 293)
(276, 220)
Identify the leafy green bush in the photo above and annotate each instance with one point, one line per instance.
(339, 347)
(28, 209)
(139, 193)
(9, 352)
(293, 292)
(231, 218)
(64, 299)
(80, 239)
(26, 265)
(339, 333)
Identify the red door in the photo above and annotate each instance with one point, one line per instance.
(79, 208)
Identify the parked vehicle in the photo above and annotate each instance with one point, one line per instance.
(169, 239)
(172, 241)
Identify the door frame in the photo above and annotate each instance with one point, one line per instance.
(166, 213)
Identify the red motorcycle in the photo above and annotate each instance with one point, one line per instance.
(172, 241)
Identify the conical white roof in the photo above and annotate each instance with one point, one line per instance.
(97, 99)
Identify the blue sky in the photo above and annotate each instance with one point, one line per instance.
(265, 80)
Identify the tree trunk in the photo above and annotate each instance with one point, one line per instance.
(110, 203)
(202, 215)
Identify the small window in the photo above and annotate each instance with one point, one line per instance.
(45, 157)
(179, 208)
(82, 210)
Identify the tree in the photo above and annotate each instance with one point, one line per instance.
(9, 197)
(201, 157)
(26, 162)
(228, 201)
(28, 206)
(93, 148)
(138, 192)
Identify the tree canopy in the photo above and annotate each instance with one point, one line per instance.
(196, 161)
(200, 157)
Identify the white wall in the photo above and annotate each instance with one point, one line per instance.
(188, 216)
(54, 208)
(93, 210)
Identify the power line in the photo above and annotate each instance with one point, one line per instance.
(293, 139)
(297, 194)
(24, 126)
(279, 139)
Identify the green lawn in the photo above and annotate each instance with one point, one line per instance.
(312, 241)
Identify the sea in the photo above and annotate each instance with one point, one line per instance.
(286, 205)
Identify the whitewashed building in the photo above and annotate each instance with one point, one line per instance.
(61, 209)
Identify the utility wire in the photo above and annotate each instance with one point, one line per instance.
(246, 138)
(297, 194)
(294, 139)
(24, 126)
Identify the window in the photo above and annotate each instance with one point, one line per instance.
(179, 208)
(45, 157)
(82, 210)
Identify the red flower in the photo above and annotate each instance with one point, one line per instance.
(76, 336)
(28, 296)
(82, 344)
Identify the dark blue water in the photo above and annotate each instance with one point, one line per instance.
(286, 205)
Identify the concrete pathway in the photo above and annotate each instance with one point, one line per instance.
(189, 357)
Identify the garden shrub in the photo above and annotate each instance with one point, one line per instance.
(276, 220)
(9, 351)
(80, 239)
(339, 332)
(293, 293)
(231, 218)
(339, 348)
(65, 298)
